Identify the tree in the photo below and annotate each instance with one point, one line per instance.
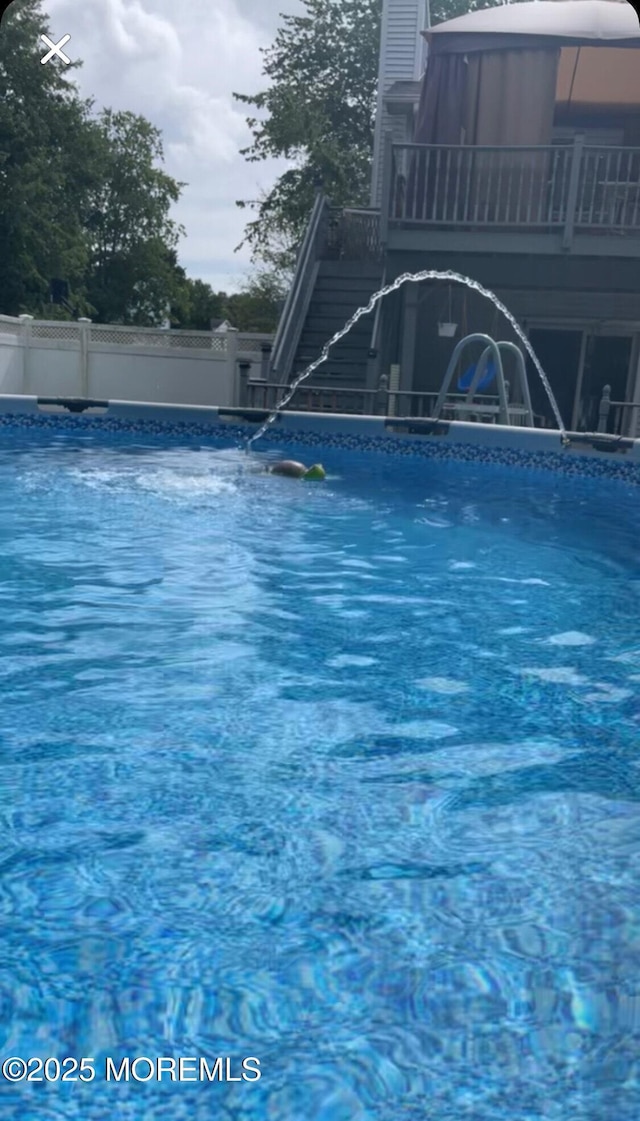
(82, 198)
(196, 305)
(320, 106)
(442, 10)
(133, 273)
(257, 307)
(45, 166)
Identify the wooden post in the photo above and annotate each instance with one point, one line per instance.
(572, 196)
(373, 362)
(394, 385)
(246, 389)
(233, 369)
(381, 400)
(605, 407)
(374, 356)
(631, 422)
(387, 177)
(409, 333)
(266, 357)
(575, 415)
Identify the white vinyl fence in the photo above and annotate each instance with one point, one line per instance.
(52, 358)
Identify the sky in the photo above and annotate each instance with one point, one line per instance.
(178, 65)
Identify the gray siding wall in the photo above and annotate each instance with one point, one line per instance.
(598, 293)
(556, 305)
(539, 287)
(433, 353)
(401, 59)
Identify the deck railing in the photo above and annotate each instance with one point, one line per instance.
(315, 398)
(619, 418)
(371, 402)
(354, 234)
(566, 186)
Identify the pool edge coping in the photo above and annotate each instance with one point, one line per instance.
(591, 455)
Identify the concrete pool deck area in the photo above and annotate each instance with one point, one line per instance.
(595, 455)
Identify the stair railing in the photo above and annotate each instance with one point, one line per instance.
(300, 292)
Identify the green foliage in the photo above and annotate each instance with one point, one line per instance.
(43, 173)
(442, 10)
(132, 240)
(320, 107)
(255, 308)
(196, 304)
(258, 306)
(81, 197)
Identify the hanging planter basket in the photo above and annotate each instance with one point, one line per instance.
(448, 328)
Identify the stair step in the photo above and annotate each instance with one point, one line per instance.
(337, 315)
(318, 337)
(342, 370)
(351, 270)
(341, 288)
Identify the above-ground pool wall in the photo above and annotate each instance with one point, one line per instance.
(305, 434)
(596, 295)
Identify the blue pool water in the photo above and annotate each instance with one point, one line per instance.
(340, 776)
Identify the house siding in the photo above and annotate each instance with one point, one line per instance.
(597, 289)
(401, 59)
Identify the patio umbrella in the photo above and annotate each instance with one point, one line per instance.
(570, 21)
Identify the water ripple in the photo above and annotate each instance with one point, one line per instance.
(282, 775)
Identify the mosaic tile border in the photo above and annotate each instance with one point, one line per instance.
(568, 463)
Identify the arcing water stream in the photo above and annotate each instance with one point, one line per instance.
(413, 278)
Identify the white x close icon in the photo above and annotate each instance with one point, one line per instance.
(55, 49)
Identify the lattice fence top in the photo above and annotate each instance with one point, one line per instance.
(66, 331)
(146, 336)
(252, 344)
(54, 330)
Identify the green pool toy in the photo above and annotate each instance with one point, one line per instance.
(317, 471)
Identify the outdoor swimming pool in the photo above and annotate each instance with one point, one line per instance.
(342, 776)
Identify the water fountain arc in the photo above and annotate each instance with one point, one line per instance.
(414, 278)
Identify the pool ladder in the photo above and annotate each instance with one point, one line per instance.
(493, 350)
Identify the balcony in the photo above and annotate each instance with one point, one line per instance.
(575, 198)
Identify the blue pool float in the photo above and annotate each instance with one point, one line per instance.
(485, 380)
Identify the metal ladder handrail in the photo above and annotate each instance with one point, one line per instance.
(521, 373)
(492, 349)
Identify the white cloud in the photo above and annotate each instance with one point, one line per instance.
(179, 66)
